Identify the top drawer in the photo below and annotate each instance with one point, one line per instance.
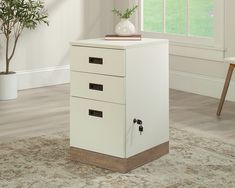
(98, 60)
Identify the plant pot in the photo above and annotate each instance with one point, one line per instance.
(8, 86)
(125, 28)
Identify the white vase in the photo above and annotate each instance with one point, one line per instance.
(125, 28)
(8, 86)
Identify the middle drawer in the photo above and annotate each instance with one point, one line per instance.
(98, 87)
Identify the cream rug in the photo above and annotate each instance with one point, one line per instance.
(43, 162)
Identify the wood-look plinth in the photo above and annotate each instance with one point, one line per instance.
(117, 164)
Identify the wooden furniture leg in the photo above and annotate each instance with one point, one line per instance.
(226, 85)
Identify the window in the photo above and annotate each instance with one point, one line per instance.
(197, 22)
(183, 17)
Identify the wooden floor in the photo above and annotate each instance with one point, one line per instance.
(198, 113)
(46, 110)
(35, 112)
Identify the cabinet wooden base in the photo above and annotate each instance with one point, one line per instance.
(122, 165)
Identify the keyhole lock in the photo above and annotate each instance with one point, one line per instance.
(139, 122)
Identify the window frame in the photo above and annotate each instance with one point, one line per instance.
(214, 47)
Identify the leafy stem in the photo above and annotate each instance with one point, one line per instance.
(126, 14)
(15, 16)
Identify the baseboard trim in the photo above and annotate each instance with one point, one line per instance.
(117, 164)
(43, 77)
(189, 82)
(200, 84)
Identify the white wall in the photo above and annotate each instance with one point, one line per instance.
(202, 75)
(42, 55)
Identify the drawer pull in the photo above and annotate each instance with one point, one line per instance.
(95, 113)
(96, 60)
(97, 87)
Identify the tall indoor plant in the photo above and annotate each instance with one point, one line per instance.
(15, 16)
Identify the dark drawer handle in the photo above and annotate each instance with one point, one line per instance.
(96, 60)
(95, 113)
(97, 87)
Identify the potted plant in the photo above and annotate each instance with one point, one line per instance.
(15, 17)
(125, 27)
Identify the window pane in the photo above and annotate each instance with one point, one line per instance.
(201, 20)
(153, 15)
(176, 16)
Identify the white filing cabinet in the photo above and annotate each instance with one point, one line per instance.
(113, 83)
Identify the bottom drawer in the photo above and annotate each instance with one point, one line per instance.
(97, 126)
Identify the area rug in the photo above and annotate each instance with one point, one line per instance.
(43, 162)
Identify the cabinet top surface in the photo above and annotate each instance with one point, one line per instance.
(102, 43)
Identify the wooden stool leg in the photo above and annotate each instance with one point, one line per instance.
(226, 85)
